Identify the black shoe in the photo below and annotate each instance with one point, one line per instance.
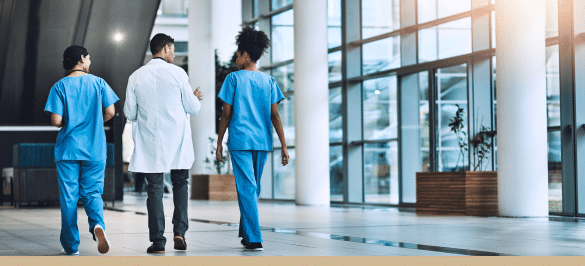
(180, 243)
(153, 249)
(244, 243)
(254, 246)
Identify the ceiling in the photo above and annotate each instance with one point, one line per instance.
(34, 34)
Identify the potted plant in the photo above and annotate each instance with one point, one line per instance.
(220, 185)
(461, 192)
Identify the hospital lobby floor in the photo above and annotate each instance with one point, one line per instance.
(290, 230)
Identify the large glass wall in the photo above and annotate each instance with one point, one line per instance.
(450, 46)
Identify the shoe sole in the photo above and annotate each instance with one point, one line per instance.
(179, 243)
(254, 249)
(103, 246)
(156, 252)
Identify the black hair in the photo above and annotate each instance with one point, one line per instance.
(72, 55)
(253, 41)
(159, 41)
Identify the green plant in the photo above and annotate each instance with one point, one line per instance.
(480, 142)
(457, 124)
(212, 163)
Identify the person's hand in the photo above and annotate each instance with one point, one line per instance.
(219, 152)
(284, 154)
(198, 94)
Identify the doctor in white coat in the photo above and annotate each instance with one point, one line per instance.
(158, 99)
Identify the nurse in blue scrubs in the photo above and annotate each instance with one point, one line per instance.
(79, 104)
(250, 109)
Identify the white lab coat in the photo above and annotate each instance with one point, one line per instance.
(158, 99)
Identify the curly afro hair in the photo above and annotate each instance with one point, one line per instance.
(253, 41)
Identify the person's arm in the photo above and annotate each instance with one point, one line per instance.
(226, 116)
(109, 112)
(275, 117)
(56, 120)
(130, 104)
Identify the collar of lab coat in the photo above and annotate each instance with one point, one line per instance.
(157, 61)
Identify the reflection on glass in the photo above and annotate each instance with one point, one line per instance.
(282, 37)
(452, 91)
(333, 23)
(379, 108)
(276, 4)
(379, 17)
(381, 55)
(553, 102)
(495, 140)
(446, 40)
(555, 180)
(335, 115)
(284, 176)
(552, 18)
(336, 172)
(429, 10)
(423, 83)
(381, 172)
(334, 66)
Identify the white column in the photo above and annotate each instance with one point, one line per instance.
(311, 102)
(521, 108)
(226, 23)
(202, 73)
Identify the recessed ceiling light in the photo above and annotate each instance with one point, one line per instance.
(118, 37)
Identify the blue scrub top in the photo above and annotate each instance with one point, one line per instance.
(250, 93)
(81, 101)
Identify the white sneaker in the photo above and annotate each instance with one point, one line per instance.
(103, 242)
(63, 252)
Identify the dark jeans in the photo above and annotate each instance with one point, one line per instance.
(154, 205)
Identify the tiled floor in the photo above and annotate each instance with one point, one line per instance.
(290, 230)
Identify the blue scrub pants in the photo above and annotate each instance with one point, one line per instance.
(80, 180)
(248, 167)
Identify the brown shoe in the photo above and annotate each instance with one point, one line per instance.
(153, 249)
(180, 243)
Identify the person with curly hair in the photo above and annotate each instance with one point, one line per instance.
(250, 104)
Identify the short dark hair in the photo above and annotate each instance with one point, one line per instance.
(253, 41)
(72, 55)
(159, 41)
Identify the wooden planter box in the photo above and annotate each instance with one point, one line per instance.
(457, 193)
(213, 187)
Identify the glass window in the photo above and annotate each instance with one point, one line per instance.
(380, 108)
(429, 10)
(284, 176)
(255, 8)
(555, 179)
(452, 94)
(423, 96)
(552, 18)
(334, 66)
(381, 172)
(335, 115)
(287, 116)
(282, 37)
(379, 17)
(446, 40)
(336, 172)
(381, 55)
(276, 4)
(553, 101)
(333, 23)
(283, 76)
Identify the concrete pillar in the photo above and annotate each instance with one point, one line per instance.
(202, 73)
(311, 103)
(521, 108)
(226, 22)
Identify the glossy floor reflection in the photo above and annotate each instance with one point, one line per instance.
(290, 230)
